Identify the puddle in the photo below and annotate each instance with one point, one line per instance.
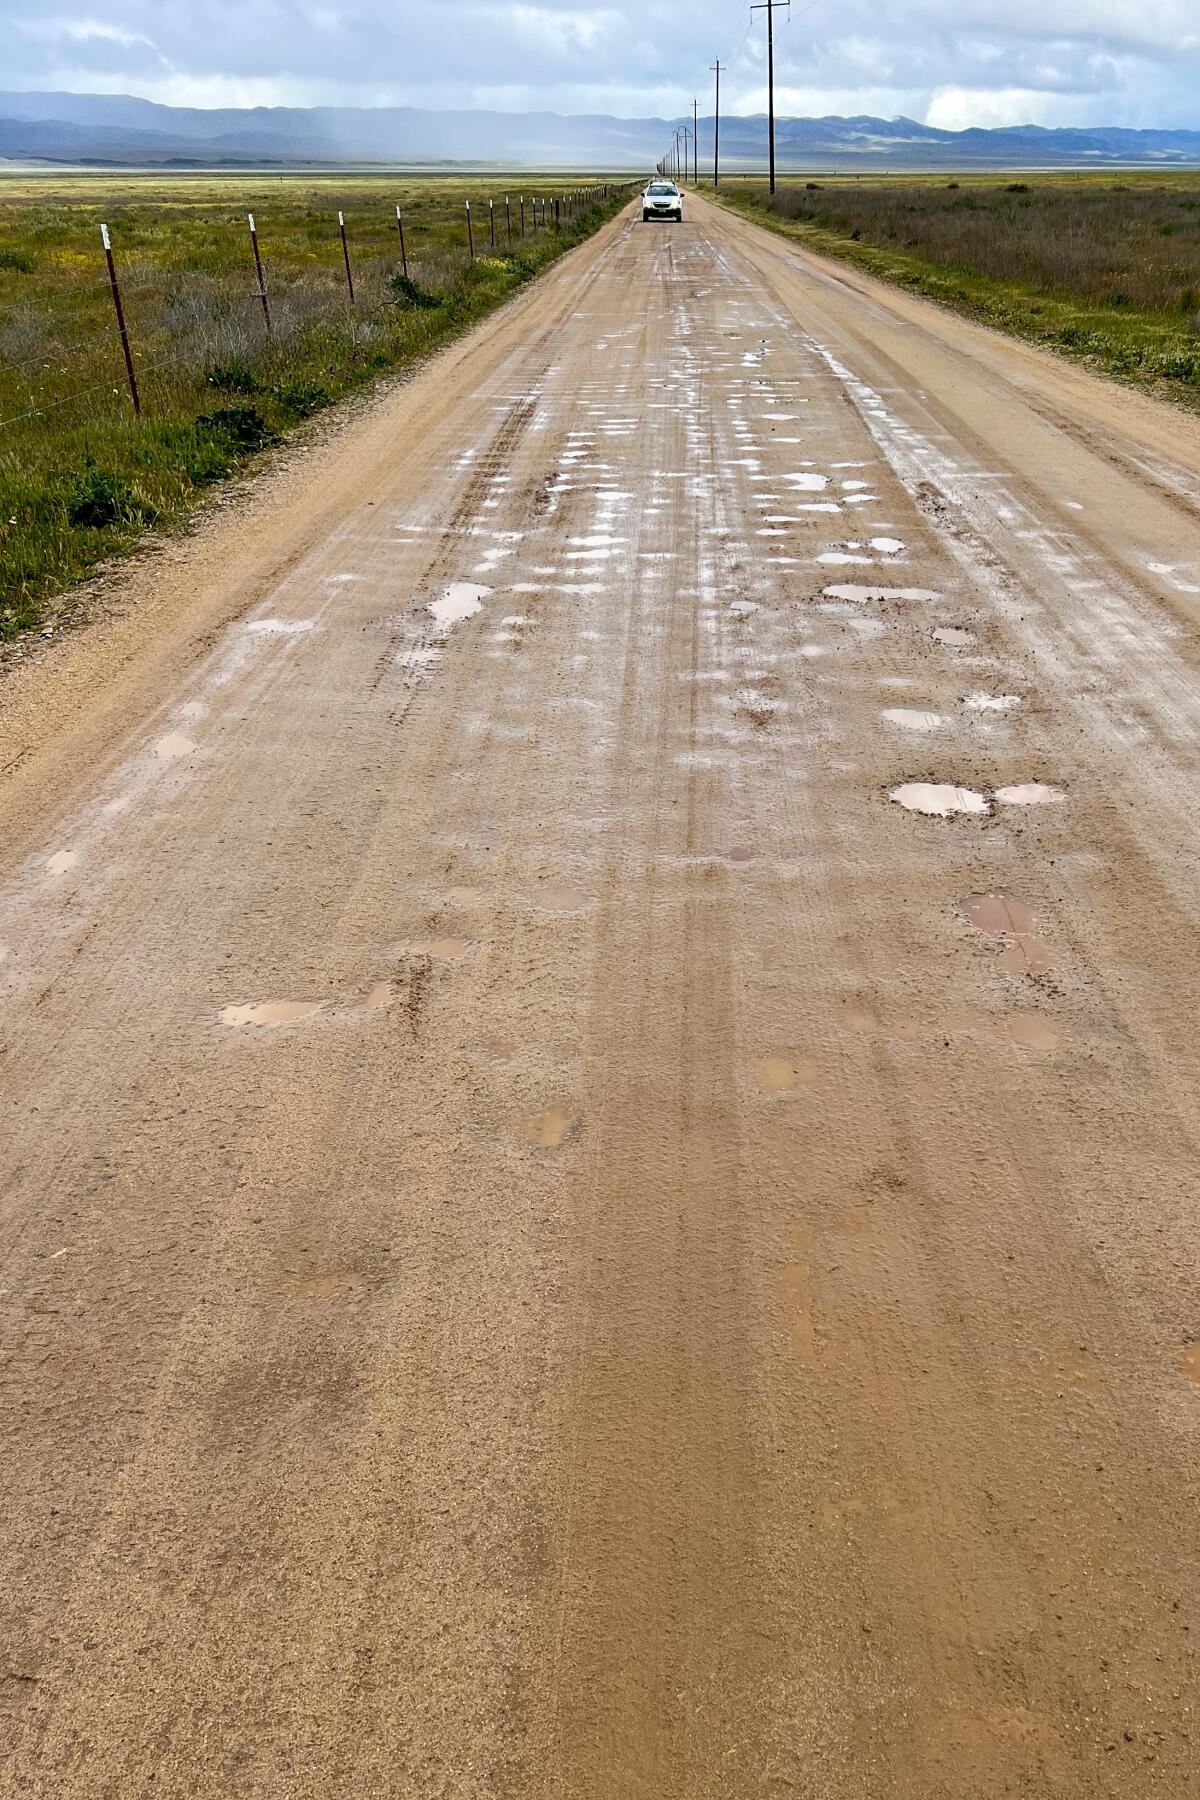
(1030, 793)
(991, 702)
(953, 634)
(812, 484)
(195, 709)
(841, 557)
(175, 744)
(1189, 1362)
(1032, 1033)
(780, 1074)
(813, 650)
(742, 608)
(999, 915)
(324, 1287)
(861, 596)
(461, 600)
(270, 1012)
(1026, 956)
(381, 996)
(549, 1129)
(447, 949)
(61, 861)
(912, 719)
(559, 899)
(280, 627)
(888, 545)
(938, 800)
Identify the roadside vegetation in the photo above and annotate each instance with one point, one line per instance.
(1102, 268)
(80, 478)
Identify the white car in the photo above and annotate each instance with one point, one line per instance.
(662, 200)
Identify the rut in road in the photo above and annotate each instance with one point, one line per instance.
(598, 1096)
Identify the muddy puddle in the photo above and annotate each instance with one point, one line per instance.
(174, 744)
(548, 1130)
(270, 1012)
(939, 799)
(1014, 923)
(1032, 1033)
(954, 635)
(911, 718)
(444, 949)
(461, 600)
(995, 703)
(780, 1074)
(861, 594)
(1030, 793)
(61, 861)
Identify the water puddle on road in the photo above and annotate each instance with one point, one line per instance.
(780, 1074)
(175, 744)
(559, 899)
(910, 718)
(548, 1130)
(938, 799)
(1030, 793)
(1189, 1362)
(447, 949)
(953, 635)
(61, 861)
(270, 1012)
(461, 600)
(332, 1286)
(999, 915)
(1026, 956)
(991, 702)
(280, 627)
(888, 546)
(1032, 1033)
(861, 595)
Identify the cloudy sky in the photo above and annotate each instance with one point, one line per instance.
(947, 62)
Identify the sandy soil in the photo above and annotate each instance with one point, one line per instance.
(558, 1240)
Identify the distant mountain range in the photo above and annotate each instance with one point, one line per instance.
(117, 129)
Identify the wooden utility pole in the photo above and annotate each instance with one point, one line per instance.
(695, 143)
(123, 333)
(768, 6)
(717, 129)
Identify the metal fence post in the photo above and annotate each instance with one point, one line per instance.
(124, 335)
(470, 233)
(346, 255)
(508, 219)
(403, 251)
(262, 285)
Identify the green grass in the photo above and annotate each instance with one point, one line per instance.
(80, 479)
(1100, 268)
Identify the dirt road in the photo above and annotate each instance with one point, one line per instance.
(559, 1240)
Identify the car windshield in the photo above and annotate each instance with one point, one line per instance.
(662, 187)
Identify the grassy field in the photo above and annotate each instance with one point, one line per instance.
(80, 478)
(1105, 268)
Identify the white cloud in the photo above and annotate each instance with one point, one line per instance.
(1131, 62)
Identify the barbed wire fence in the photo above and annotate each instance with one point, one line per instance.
(170, 326)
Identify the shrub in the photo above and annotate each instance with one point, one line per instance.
(232, 378)
(243, 428)
(300, 398)
(1017, 187)
(96, 498)
(19, 262)
(406, 292)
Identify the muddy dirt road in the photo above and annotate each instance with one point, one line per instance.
(564, 1234)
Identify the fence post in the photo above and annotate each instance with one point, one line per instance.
(403, 251)
(508, 219)
(262, 286)
(470, 233)
(492, 223)
(522, 216)
(116, 294)
(346, 255)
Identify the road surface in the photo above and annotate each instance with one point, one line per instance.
(561, 1237)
